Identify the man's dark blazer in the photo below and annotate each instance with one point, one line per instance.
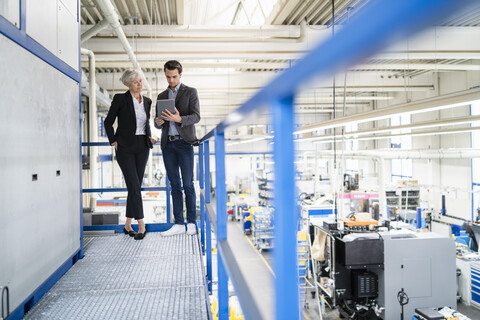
(187, 105)
(123, 110)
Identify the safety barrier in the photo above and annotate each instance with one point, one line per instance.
(366, 33)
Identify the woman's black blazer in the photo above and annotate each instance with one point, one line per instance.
(122, 109)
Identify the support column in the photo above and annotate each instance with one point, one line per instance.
(221, 205)
(286, 213)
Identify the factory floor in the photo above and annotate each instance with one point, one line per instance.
(258, 266)
(311, 311)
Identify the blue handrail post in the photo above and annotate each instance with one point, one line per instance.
(221, 203)
(202, 203)
(207, 171)
(285, 252)
(208, 230)
(168, 191)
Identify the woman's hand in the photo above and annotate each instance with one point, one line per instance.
(115, 144)
(159, 121)
(153, 141)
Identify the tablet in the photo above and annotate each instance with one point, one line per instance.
(165, 104)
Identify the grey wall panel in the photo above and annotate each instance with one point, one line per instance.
(39, 134)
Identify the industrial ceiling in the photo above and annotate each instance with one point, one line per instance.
(231, 48)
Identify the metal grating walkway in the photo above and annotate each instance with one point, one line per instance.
(120, 278)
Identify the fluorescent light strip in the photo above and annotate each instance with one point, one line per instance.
(388, 136)
(458, 99)
(250, 140)
(422, 125)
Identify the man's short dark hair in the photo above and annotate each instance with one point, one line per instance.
(172, 65)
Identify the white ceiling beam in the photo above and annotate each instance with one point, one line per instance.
(201, 31)
(180, 6)
(284, 65)
(281, 11)
(369, 81)
(439, 43)
(146, 11)
(265, 55)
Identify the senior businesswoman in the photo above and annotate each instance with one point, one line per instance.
(132, 141)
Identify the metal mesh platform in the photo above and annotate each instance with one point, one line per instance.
(120, 278)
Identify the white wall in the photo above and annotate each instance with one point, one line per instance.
(441, 176)
(10, 10)
(54, 25)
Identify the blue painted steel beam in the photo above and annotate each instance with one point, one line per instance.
(368, 31)
(169, 202)
(80, 121)
(285, 251)
(201, 166)
(220, 189)
(118, 228)
(202, 200)
(32, 299)
(111, 201)
(102, 144)
(221, 232)
(207, 171)
(208, 231)
(223, 311)
(208, 245)
(97, 190)
(96, 144)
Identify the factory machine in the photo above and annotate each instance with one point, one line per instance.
(387, 274)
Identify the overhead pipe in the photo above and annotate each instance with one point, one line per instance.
(102, 97)
(93, 127)
(108, 12)
(94, 30)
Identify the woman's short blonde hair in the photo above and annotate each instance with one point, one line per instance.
(129, 75)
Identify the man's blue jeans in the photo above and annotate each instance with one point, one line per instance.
(177, 155)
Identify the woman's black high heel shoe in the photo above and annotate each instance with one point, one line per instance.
(140, 236)
(130, 233)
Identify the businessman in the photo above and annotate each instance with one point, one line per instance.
(178, 137)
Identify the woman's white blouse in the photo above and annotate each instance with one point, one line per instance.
(140, 115)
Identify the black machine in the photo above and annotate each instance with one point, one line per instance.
(350, 182)
(356, 281)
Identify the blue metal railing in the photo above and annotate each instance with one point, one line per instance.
(102, 189)
(366, 33)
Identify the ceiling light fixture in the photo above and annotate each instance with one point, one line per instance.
(453, 100)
